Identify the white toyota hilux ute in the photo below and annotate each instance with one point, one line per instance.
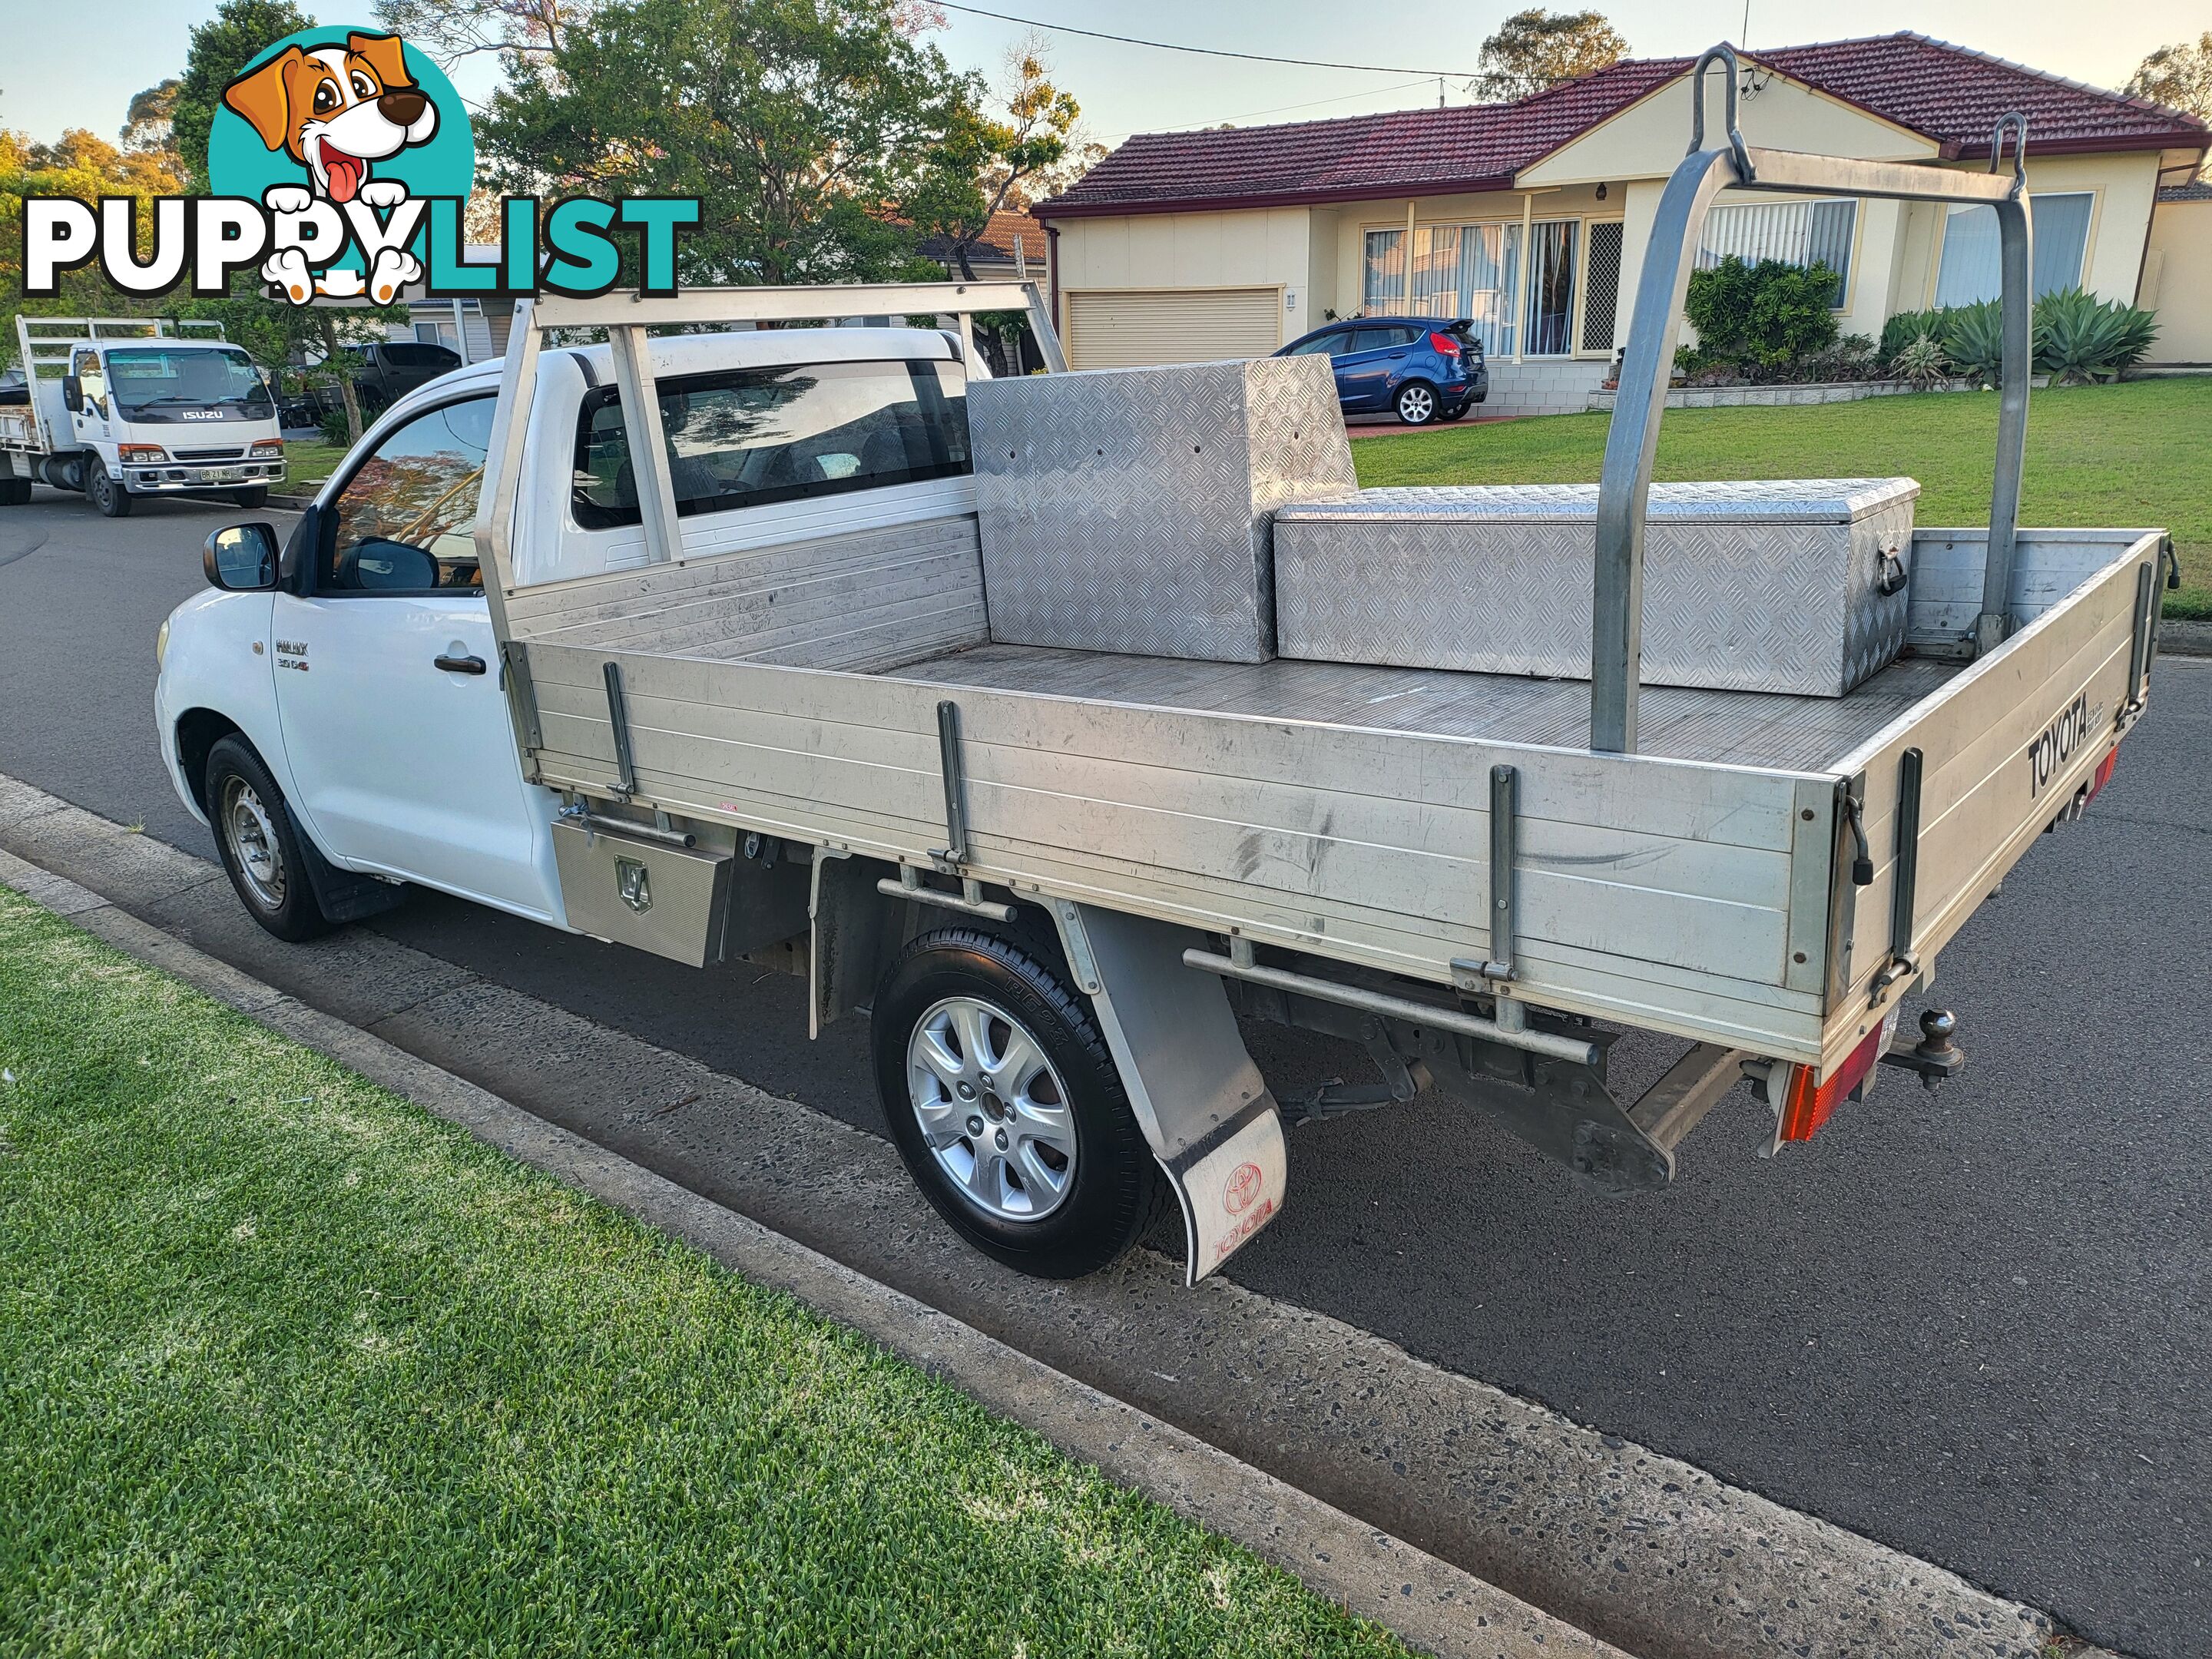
(727, 643)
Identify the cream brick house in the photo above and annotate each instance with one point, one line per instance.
(1531, 217)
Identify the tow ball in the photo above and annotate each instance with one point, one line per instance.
(1936, 1056)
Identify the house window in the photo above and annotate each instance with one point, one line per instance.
(1973, 270)
(1472, 272)
(1795, 233)
(1383, 289)
(1552, 289)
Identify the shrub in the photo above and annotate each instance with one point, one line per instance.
(1974, 339)
(1772, 314)
(1907, 326)
(2079, 339)
(1920, 362)
(334, 427)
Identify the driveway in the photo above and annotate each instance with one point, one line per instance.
(1975, 1324)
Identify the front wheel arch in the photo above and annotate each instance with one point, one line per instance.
(198, 730)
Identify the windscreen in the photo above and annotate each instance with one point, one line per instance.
(163, 377)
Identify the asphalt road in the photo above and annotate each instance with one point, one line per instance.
(1975, 1324)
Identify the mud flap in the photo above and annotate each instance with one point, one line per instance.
(1199, 1098)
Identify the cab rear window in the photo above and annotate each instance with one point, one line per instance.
(741, 438)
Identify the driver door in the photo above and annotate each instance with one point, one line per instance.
(388, 681)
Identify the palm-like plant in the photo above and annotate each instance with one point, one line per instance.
(1920, 362)
(2080, 339)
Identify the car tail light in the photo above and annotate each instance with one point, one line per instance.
(2103, 775)
(1448, 345)
(1806, 1107)
(140, 454)
(269, 449)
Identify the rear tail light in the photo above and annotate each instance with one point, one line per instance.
(2103, 772)
(1806, 1107)
(140, 454)
(1448, 345)
(269, 449)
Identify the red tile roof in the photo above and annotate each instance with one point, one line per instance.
(1951, 95)
(997, 241)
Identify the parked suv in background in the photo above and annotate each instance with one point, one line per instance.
(1418, 368)
(389, 369)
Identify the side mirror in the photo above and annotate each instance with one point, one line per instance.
(395, 567)
(241, 558)
(72, 394)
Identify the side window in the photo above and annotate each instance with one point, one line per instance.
(92, 378)
(1376, 339)
(1345, 341)
(748, 437)
(1332, 344)
(405, 522)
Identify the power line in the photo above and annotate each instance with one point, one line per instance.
(1379, 91)
(1202, 51)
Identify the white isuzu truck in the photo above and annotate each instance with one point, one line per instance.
(119, 407)
(1060, 723)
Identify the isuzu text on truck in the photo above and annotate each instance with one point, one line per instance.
(1059, 722)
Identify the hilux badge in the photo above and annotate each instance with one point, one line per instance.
(631, 882)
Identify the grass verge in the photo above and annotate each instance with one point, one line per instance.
(2136, 453)
(288, 1365)
(307, 461)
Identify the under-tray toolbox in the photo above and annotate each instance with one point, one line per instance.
(1130, 509)
(1785, 585)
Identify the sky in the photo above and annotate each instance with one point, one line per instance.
(50, 80)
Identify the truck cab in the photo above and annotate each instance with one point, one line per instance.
(120, 409)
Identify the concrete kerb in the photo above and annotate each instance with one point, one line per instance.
(1651, 1553)
(1431, 1603)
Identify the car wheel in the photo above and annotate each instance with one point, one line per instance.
(261, 848)
(1005, 1103)
(258, 496)
(107, 494)
(1455, 414)
(1416, 403)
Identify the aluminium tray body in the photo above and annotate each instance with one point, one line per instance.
(1762, 586)
(1131, 510)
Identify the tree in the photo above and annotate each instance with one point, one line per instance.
(809, 130)
(990, 164)
(150, 124)
(222, 47)
(450, 30)
(1536, 49)
(2179, 77)
(276, 334)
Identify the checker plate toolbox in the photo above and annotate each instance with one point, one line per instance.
(1770, 586)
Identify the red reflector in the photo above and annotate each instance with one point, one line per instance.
(1445, 343)
(1806, 1108)
(2103, 772)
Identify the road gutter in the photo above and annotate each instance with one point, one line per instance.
(1644, 1550)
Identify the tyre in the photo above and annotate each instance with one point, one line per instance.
(105, 493)
(1005, 1105)
(1458, 414)
(250, 499)
(261, 848)
(1416, 403)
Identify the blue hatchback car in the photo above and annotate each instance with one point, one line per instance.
(1419, 368)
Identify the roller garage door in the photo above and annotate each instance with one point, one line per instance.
(1130, 328)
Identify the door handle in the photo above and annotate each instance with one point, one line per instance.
(460, 665)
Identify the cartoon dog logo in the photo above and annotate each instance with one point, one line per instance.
(337, 111)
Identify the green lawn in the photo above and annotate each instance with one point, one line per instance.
(2136, 454)
(287, 1366)
(309, 464)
